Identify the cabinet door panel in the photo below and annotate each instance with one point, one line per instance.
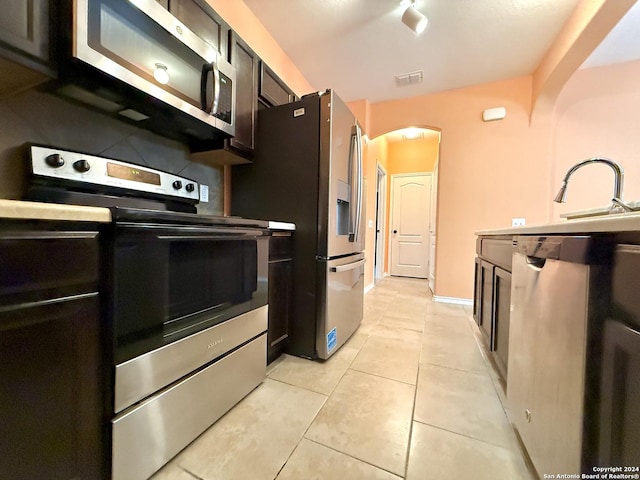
(502, 307)
(245, 62)
(24, 25)
(486, 307)
(477, 290)
(620, 404)
(272, 90)
(49, 391)
(280, 288)
(203, 21)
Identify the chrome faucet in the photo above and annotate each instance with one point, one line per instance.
(617, 202)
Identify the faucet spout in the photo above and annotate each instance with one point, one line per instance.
(618, 177)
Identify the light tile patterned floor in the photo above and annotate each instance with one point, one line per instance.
(409, 396)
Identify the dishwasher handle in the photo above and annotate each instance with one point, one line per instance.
(535, 262)
(581, 249)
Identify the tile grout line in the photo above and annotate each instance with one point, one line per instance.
(486, 442)
(303, 437)
(352, 457)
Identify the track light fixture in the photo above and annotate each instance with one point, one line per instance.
(413, 19)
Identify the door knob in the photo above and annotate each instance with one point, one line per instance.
(395, 231)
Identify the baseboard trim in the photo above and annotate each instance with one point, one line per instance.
(369, 287)
(454, 300)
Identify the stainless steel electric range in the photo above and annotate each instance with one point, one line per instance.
(185, 302)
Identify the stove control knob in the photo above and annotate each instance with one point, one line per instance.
(81, 166)
(54, 160)
(177, 184)
(190, 187)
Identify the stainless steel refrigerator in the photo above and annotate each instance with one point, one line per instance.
(308, 170)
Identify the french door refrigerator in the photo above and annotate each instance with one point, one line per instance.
(308, 170)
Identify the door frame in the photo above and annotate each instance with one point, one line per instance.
(390, 226)
(381, 219)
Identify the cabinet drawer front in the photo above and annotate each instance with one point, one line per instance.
(498, 252)
(36, 265)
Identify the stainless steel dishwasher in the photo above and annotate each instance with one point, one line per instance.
(558, 298)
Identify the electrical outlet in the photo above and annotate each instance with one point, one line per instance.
(517, 222)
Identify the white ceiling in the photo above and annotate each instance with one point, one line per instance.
(357, 46)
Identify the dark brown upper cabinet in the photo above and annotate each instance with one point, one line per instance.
(246, 63)
(272, 90)
(26, 43)
(202, 20)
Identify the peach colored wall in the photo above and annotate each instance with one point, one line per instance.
(413, 155)
(588, 25)
(489, 172)
(376, 151)
(246, 24)
(597, 114)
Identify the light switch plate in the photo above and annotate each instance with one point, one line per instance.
(517, 222)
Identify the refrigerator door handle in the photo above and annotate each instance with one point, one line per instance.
(348, 266)
(360, 182)
(353, 195)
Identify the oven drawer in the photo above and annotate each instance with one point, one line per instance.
(150, 434)
(148, 373)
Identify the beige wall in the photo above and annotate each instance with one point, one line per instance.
(246, 24)
(492, 172)
(597, 114)
(413, 155)
(375, 151)
(489, 172)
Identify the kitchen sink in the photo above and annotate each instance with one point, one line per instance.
(602, 211)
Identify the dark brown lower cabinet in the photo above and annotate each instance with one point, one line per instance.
(620, 376)
(620, 402)
(280, 293)
(501, 316)
(486, 300)
(492, 297)
(49, 399)
(51, 387)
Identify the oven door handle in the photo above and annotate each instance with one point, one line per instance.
(204, 237)
(166, 232)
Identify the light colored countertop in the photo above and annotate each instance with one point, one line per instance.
(17, 209)
(621, 222)
(282, 226)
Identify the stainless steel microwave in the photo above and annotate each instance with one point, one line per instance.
(133, 58)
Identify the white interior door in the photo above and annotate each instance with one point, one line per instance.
(410, 221)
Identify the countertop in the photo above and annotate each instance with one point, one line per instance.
(621, 222)
(17, 209)
(22, 210)
(281, 226)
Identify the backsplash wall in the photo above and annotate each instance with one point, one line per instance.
(37, 117)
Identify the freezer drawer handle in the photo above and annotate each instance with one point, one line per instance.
(348, 266)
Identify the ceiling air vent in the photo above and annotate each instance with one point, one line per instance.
(406, 79)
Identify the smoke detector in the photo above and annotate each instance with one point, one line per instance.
(412, 78)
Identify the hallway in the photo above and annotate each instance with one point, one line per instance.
(409, 396)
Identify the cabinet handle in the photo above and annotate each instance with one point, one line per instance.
(527, 415)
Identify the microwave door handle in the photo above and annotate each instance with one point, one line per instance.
(216, 87)
(207, 69)
(212, 106)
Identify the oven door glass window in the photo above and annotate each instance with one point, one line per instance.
(169, 286)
